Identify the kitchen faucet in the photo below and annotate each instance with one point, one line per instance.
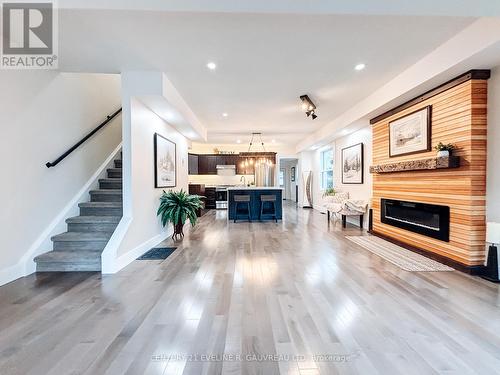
(244, 180)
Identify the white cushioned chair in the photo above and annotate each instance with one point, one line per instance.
(340, 205)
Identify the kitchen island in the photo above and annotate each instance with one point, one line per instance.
(255, 194)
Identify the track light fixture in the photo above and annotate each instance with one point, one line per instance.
(308, 106)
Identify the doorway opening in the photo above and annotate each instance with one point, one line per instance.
(288, 179)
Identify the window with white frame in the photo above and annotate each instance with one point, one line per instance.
(326, 168)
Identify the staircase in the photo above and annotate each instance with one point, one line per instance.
(80, 248)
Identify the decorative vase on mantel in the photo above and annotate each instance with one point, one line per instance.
(444, 150)
(443, 154)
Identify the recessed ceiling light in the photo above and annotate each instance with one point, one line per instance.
(273, 141)
(211, 65)
(360, 67)
(238, 141)
(224, 114)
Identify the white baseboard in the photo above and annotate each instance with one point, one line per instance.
(129, 257)
(108, 256)
(25, 266)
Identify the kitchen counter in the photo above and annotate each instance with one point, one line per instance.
(255, 193)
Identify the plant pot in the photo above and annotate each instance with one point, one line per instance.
(443, 154)
(178, 231)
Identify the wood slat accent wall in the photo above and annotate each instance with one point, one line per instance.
(459, 116)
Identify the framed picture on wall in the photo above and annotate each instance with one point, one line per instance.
(410, 134)
(165, 162)
(292, 174)
(352, 164)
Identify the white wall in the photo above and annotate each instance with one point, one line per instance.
(140, 229)
(493, 174)
(311, 160)
(356, 191)
(42, 114)
(145, 227)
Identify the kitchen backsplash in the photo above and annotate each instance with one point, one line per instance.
(219, 180)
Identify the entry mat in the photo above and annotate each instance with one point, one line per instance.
(157, 253)
(397, 255)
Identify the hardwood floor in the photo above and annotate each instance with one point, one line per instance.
(293, 290)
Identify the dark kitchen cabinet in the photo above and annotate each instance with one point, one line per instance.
(207, 164)
(221, 160)
(211, 164)
(232, 160)
(202, 164)
(193, 164)
(210, 198)
(199, 189)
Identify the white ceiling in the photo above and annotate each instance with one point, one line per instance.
(264, 61)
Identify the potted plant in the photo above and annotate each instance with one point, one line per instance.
(444, 150)
(329, 192)
(176, 207)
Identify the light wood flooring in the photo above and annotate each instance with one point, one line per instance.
(289, 298)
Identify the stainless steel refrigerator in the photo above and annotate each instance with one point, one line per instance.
(264, 174)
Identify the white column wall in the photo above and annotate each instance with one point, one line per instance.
(140, 228)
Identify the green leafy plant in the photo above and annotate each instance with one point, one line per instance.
(329, 191)
(178, 206)
(445, 147)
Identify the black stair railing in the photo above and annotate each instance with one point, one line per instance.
(83, 140)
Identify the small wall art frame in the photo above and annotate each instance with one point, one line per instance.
(165, 159)
(353, 164)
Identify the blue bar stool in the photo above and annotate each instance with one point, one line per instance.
(271, 209)
(244, 202)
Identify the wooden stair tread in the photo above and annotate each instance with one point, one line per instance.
(94, 220)
(101, 204)
(84, 237)
(106, 191)
(69, 257)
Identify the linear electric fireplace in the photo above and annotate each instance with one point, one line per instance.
(427, 219)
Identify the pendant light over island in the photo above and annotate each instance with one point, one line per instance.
(262, 162)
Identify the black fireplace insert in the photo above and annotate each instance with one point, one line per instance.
(428, 219)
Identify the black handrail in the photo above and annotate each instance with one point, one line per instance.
(79, 143)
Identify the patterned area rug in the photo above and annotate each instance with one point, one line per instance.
(157, 253)
(401, 257)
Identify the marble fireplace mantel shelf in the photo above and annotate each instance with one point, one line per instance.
(417, 165)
